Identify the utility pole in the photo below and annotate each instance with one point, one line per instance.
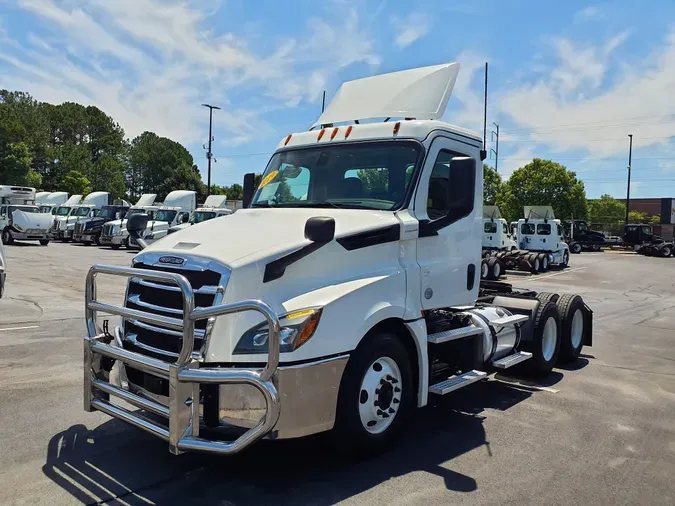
(630, 158)
(495, 136)
(209, 155)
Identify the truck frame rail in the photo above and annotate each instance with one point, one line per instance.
(185, 375)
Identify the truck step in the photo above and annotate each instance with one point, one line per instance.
(509, 320)
(457, 382)
(450, 335)
(511, 360)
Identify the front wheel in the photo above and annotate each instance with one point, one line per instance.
(376, 395)
(44, 242)
(575, 248)
(115, 246)
(7, 237)
(666, 251)
(565, 259)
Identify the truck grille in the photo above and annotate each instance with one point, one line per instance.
(107, 230)
(165, 299)
(79, 228)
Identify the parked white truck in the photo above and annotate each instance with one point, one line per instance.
(496, 233)
(20, 218)
(115, 232)
(178, 207)
(540, 232)
(50, 203)
(88, 208)
(63, 212)
(214, 206)
(333, 301)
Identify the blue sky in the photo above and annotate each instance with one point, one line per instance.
(569, 80)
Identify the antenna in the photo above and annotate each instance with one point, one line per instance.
(483, 152)
(323, 102)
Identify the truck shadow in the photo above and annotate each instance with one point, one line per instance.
(117, 463)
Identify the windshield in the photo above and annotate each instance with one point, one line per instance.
(25, 209)
(62, 211)
(45, 209)
(108, 212)
(165, 215)
(356, 176)
(490, 227)
(82, 211)
(200, 216)
(527, 228)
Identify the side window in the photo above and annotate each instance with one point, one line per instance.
(527, 229)
(451, 190)
(185, 217)
(560, 231)
(646, 230)
(505, 229)
(3, 211)
(490, 227)
(544, 229)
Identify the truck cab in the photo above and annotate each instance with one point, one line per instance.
(579, 236)
(496, 233)
(637, 234)
(541, 232)
(215, 206)
(115, 232)
(51, 202)
(19, 218)
(342, 296)
(89, 209)
(178, 208)
(63, 214)
(90, 230)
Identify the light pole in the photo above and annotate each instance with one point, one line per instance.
(630, 157)
(209, 155)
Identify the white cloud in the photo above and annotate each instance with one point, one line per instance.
(592, 99)
(411, 29)
(151, 63)
(591, 12)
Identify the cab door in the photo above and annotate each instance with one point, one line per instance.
(448, 205)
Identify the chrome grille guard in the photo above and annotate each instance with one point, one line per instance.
(184, 375)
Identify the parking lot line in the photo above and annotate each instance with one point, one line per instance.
(21, 328)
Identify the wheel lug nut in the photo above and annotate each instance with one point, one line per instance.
(392, 410)
(397, 389)
(395, 401)
(394, 381)
(385, 415)
(380, 412)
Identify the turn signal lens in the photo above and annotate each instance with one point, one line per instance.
(321, 134)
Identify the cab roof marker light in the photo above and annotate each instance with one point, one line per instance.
(335, 131)
(397, 127)
(323, 131)
(288, 139)
(349, 130)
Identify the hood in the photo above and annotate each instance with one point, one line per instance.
(598, 236)
(177, 228)
(259, 233)
(27, 221)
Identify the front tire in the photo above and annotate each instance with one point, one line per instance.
(575, 248)
(115, 246)
(7, 237)
(376, 395)
(44, 242)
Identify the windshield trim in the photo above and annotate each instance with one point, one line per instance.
(410, 190)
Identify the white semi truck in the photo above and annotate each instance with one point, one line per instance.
(496, 233)
(214, 206)
(51, 202)
(20, 218)
(63, 212)
(344, 294)
(115, 232)
(90, 207)
(178, 207)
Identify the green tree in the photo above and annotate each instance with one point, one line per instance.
(33, 179)
(655, 220)
(15, 163)
(234, 192)
(606, 210)
(75, 183)
(543, 182)
(637, 217)
(492, 185)
(374, 180)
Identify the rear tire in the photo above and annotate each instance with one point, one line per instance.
(7, 237)
(115, 246)
(368, 416)
(575, 248)
(535, 263)
(573, 326)
(565, 259)
(666, 251)
(494, 268)
(543, 262)
(44, 242)
(545, 344)
(484, 269)
(548, 296)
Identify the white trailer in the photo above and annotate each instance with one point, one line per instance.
(115, 232)
(333, 301)
(20, 218)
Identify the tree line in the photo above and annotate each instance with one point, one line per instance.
(77, 149)
(545, 182)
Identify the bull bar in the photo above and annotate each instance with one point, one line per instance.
(185, 375)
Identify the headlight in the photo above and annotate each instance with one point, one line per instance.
(297, 327)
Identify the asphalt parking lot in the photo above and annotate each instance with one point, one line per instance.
(601, 431)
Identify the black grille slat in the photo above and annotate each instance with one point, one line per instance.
(160, 338)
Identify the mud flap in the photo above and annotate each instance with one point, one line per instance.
(588, 337)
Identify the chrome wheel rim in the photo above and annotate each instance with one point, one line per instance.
(549, 339)
(577, 331)
(544, 262)
(483, 270)
(380, 395)
(496, 270)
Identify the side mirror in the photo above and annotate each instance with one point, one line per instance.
(320, 229)
(135, 225)
(249, 181)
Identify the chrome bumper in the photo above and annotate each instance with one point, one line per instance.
(112, 239)
(184, 376)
